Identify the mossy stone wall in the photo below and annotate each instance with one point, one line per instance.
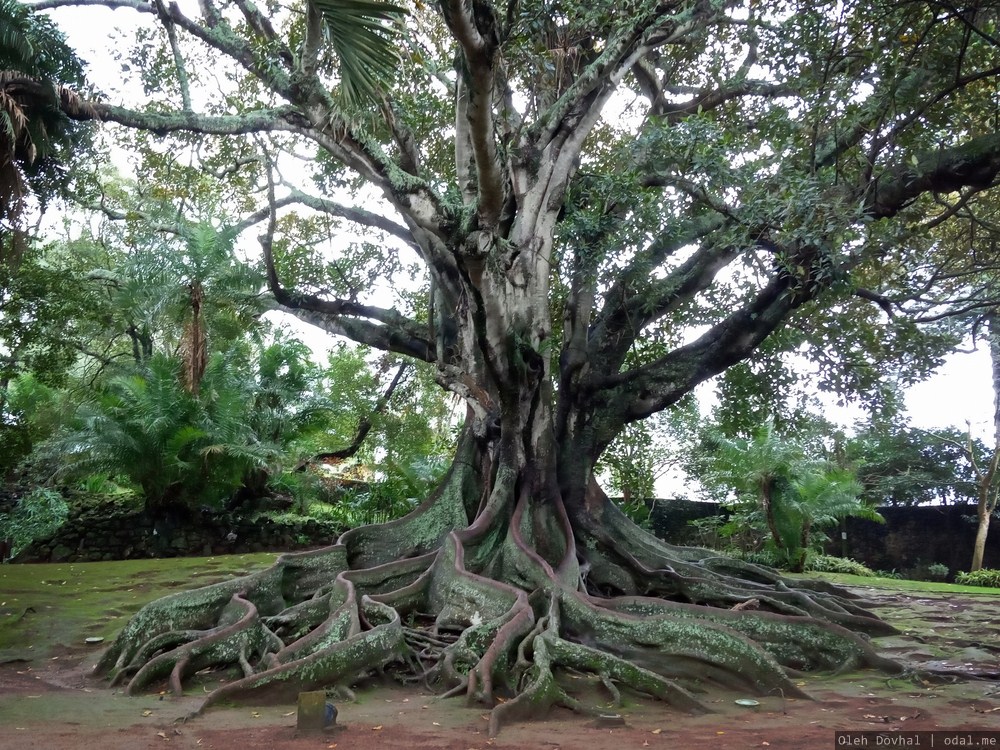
(105, 530)
(909, 540)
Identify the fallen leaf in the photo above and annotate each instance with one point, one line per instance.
(376, 728)
(720, 732)
(435, 723)
(656, 731)
(161, 734)
(254, 715)
(290, 713)
(147, 712)
(330, 747)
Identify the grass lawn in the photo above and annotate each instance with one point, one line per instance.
(47, 606)
(903, 586)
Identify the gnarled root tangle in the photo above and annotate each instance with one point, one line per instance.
(500, 611)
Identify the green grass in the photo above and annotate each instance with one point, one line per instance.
(50, 606)
(894, 584)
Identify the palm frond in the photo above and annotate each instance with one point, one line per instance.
(14, 117)
(15, 45)
(358, 33)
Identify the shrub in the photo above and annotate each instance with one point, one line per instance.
(37, 515)
(830, 564)
(893, 574)
(767, 558)
(937, 571)
(705, 532)
(986, 577)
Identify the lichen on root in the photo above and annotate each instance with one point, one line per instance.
(464, 597)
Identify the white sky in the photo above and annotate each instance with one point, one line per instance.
(961, 391)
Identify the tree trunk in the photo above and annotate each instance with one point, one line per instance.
(987, 494)
(767, 489)
(979, 546)
(512, 570)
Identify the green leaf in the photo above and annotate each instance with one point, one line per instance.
(357, 30)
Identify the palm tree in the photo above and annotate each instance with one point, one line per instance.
(179, 449)
(36, 70)
(356, 32)
(776, 481)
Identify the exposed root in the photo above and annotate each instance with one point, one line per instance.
(489, 613)
(229, 642)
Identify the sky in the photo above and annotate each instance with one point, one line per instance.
(961, 391)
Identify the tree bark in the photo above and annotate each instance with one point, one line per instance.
(987, 492)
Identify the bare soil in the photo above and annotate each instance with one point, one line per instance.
(52, 704)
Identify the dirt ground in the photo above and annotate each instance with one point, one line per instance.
(54, 705)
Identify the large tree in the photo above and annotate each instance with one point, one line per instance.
(585, 270)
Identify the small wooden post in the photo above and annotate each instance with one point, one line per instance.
(311, 713)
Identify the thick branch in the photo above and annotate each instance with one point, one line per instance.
(182, 76)
(707, 100)
(653, 387)
(364, 426)
(974, 164)
(139, 5)
(635, 300)
(474, 27)
(660, 25)
(391, 331)
(331, 208)
(284, 118)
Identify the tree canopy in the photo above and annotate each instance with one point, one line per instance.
(600, 207)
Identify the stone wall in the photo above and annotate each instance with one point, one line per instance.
(104, 530)
(912, 538)
(909, 540)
